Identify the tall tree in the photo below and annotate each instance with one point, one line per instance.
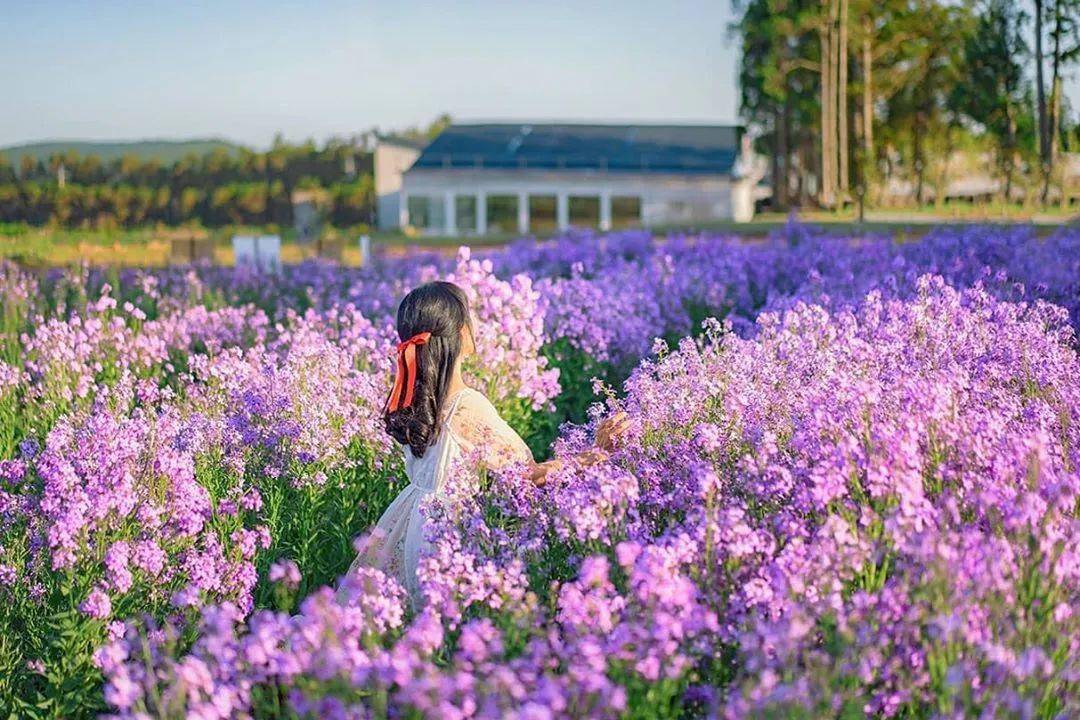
(842, 98)
(829, 61)
(919, 67)
(1040, 89)
(778, 79)
(1065, 34)
(995, 94)
(867, 113)
(883, 34)
(835, 86)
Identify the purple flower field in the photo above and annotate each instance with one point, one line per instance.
(851, 486)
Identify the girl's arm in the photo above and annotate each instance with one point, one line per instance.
(608, 435)
(477, 423)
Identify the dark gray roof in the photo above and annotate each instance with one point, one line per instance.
(701, 149)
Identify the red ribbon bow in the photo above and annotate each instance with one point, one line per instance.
(405, 381)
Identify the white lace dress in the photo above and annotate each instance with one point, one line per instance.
(470, 423)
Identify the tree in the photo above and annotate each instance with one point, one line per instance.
(1065, 35)
(435, 127)
(7, 171)
(842, 97)
(826, 29)
(995, 94)
(926, 69)
(883, 34)
(780, 75)
(805, 63)
(1040, 89)
(439, 124)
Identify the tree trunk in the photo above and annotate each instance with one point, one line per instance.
(1040, 90)
(1010, 153)
(809, 160)
(1054, 129)
(834, 104)
(920, 166)
(868, 102)
(783, 171)
(842, 98)
(827, 105)
(1055, 132)
(942, 185)
(775, 164)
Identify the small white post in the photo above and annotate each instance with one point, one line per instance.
(450, 212)
(605, 211)
(403, 211)
(562, 211)
(243, 250)
(365, 249)
(742, 201)
(267, 252)
(481, 214)
(523, 212)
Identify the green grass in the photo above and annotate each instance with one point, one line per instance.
(897, 220)
(50, 247)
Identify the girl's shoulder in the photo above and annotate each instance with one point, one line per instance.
(471, 410)
(465, 400)
(471, 400)
(477, 423)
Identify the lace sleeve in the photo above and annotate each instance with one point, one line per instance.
(477, 424)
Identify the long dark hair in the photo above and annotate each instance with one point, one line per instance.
(439, 308)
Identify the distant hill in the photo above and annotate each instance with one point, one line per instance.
(164, 151)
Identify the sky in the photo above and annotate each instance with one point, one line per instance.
(245, 71)
(107, 70)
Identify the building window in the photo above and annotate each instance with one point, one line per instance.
(426, 212)
(584, 210)
(543, 214)
(502, 213)
(465, 213)
(625, 211)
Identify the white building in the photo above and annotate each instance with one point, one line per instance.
(393, 156)
(513, 178)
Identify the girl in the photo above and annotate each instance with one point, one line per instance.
(438, 419)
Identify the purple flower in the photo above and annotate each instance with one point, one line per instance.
(29, 449)
(853, 486)
(286, 572)
(97, 604)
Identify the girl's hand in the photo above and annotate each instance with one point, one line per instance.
(591, 457)
(611, 430)
(540, 471)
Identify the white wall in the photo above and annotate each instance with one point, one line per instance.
(391, 161)
(665, 199)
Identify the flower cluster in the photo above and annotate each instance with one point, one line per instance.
(851, 490)
(871, 511)
(162, 457)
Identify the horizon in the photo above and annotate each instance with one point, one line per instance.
(601, 122)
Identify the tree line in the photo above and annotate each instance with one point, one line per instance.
(215, 189)
(218, 188)
(892, 99)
